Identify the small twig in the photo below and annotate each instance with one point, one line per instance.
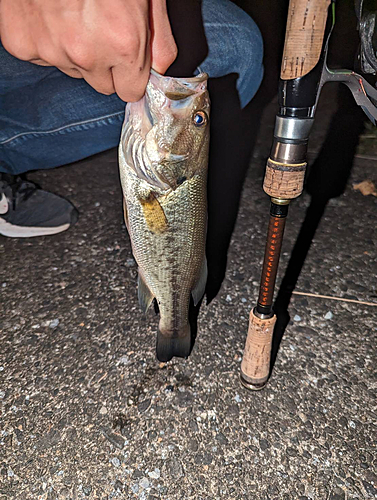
(102, 378)
(336, 298)
(99, 380)
(365, 157)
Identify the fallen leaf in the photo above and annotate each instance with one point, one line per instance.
(366, 188)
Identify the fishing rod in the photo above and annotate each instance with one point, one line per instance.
(303, 73)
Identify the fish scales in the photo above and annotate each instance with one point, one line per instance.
(163, 160)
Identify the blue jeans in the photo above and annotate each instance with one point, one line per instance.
(48, 119)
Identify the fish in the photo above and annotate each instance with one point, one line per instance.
(163, 165)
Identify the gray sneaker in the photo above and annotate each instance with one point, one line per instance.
(26, 210)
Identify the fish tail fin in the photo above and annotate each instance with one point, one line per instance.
(178, 345)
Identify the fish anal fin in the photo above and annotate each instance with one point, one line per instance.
(125, 213)
(198, 292)
(145, 296)
(154, 214)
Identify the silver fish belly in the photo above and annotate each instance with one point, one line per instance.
(163, 162)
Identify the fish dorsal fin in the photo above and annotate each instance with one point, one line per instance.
(145, 296)
(198, 292)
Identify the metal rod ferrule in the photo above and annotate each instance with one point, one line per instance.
(293, 128)
(288, 152)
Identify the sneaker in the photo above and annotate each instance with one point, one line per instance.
(26, 210)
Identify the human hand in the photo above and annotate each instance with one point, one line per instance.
(109, 43)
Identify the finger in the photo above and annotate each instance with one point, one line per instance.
(18, 47)
(130, 82)
(164, 57)
(163, 47)
(39, 62)
(73, 72)
(48, 56)
(100, 80)
(15, 35)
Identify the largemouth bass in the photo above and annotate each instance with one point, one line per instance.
(163, 162)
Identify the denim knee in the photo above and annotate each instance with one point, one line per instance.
(250, 53)
(235, 46)
(247, 47)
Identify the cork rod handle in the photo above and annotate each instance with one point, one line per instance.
(303, 37)
(255, 366)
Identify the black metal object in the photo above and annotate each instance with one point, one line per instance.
(367, 26)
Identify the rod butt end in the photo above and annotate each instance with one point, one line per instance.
(250, 385)
(255, 366)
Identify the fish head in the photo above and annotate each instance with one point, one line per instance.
(177, 141)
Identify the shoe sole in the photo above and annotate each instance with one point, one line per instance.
(13, 231)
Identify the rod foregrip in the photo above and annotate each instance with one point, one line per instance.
(285, 169)
(304, 37)
(255, 367)
(284, 180)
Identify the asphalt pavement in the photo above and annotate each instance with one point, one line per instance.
(88, 413)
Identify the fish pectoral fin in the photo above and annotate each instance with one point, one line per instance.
(145, 296)
(198, 292)
(154, 214)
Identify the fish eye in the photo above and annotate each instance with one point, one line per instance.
(200, 118)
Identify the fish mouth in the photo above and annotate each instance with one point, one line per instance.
(184, 80)
(177, 89)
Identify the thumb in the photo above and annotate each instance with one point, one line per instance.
(163, 47)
